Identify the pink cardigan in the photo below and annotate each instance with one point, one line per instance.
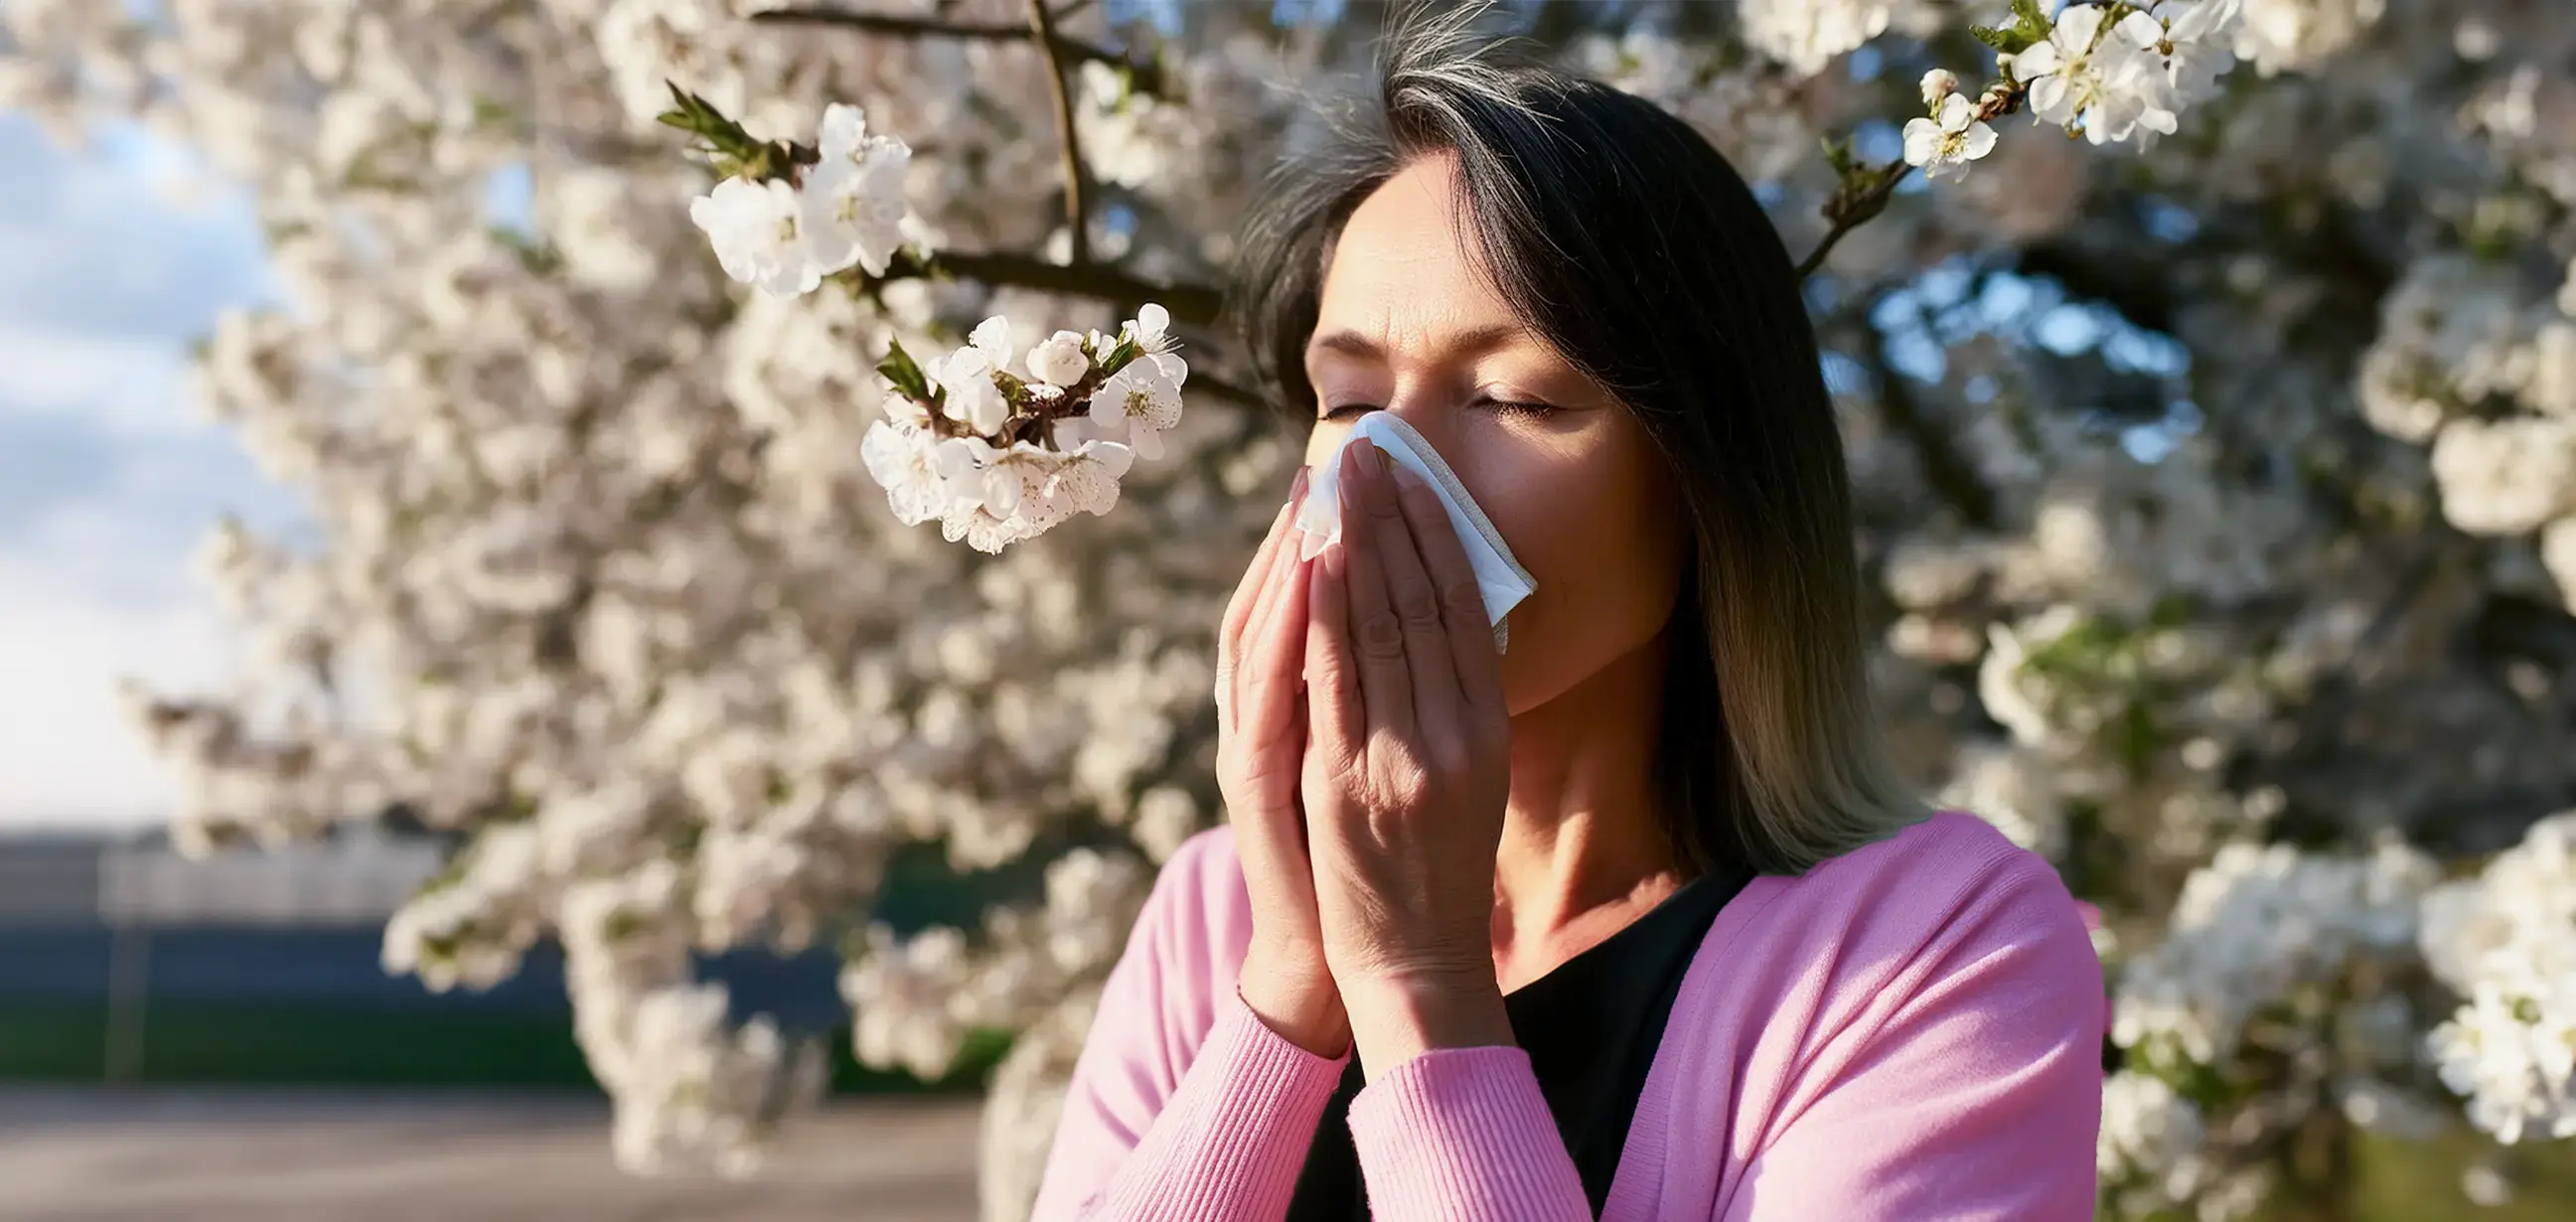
(1911, 1031)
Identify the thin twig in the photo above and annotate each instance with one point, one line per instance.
(919, 27)
(1196, 304)
(1952, 476)
(1076, 218)
(1226, 390)
(1849, 210)
(1852, 214)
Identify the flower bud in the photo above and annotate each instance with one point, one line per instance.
(1939, 83)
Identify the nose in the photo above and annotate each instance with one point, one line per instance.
(1430, 413)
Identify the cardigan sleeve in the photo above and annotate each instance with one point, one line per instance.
(1978, 1094)
(1183, 1105)
(1464, 1133)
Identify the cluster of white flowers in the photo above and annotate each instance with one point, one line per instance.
(2460, 338)
(699, 1088)
(2149, 1151)
(2123, 80)
(1805, 35)
(2289, 34)
(2506, 942)
(847, 208)
(2014, 788)
(2252, 926)
(916, 999)
(1944, 142)
(592, 595)
(2117, 79)
(996, 455)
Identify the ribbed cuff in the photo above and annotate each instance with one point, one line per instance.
(1464, 1133)
(1234, 1136)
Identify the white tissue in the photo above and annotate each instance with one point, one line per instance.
(1499, 577)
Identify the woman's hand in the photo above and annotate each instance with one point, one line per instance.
(1260, 740)
(1407, 770)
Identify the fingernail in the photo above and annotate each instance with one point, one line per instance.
(1377, 459)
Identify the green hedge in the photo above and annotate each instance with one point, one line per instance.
(201, 1042)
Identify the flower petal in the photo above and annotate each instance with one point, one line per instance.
(2075, 30)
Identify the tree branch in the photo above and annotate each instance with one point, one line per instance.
(1850, 212)
(921, 27)
(1196, 304)
(1076, 217)
(1950, 475)
(1226, 390)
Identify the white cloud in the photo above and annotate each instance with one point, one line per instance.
(129, 383)
(107, 476)
(66, 753)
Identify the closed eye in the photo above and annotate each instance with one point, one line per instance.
(1523, 408)
(1349, 411)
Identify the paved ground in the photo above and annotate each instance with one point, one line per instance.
(280, 1156)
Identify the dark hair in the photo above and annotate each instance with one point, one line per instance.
(1624, 239)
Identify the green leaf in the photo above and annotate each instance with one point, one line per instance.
(905, 375)
(2031, 18)
(2001, 40)
(1838, 154)
(1119, 356)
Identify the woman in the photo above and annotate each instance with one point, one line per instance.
(1721, 966)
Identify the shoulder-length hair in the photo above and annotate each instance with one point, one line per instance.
(1624, 239)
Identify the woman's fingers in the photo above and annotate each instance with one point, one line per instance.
(1429, 663)
(1335, 724)
(1283, 561)
(1248, 597)
(1266, 680)
(1470, 631)
(1376, 635)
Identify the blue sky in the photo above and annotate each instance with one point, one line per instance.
(107, 477)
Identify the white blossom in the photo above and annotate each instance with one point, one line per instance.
(853, 197)
(1059, 359)
(1805, 35)
(2016, 790)
(2108, 80)
(759, 231)
(1945, 145)
(2506, 478)
(1137, 404)
(904, 460)
(2502, 942)
(904, 997)
(2198, 44)
(2253, 925)
(2280, 35)
(2149, 1133)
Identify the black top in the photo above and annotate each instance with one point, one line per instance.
(1590, 1027)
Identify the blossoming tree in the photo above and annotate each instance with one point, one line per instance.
(2217, 470)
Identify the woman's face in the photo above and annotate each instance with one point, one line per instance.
(1567, 475)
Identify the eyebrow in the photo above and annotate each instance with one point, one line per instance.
(1464, 343)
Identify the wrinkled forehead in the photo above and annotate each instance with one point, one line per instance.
(1404, 276)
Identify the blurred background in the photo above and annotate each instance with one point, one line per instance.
(474, 740)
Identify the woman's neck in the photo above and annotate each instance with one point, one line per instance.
(1582, 851)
